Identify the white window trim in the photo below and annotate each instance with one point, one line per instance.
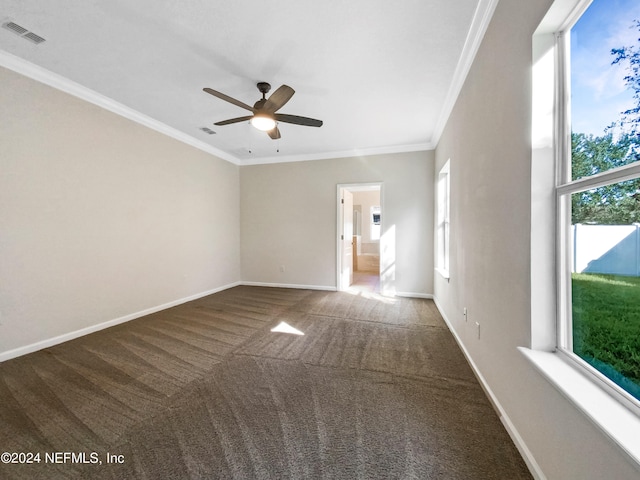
(612, 417)
(443, 236)
(550, 140)
(564, 189)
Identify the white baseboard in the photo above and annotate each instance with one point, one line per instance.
(526, 454)
(50, 342)
(289, 285)
(330, 289)
(428, 296)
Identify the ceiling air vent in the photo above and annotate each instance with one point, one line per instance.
(23, 32)
(15, 28)
(207, 130)
(33, 37)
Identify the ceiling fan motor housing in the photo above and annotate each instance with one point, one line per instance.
(264, 88)
(260, 103)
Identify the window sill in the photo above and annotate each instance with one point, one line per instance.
(614, 419)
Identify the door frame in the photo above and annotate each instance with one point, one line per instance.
(352, 187)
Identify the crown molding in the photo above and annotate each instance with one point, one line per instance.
(479, 24)
(63, 84)
(356, 152)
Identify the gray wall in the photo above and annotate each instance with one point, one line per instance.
(488, 139)
(288, 213)
(101, 217)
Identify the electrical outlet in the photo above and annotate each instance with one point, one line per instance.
(478, 328)
(282, 268)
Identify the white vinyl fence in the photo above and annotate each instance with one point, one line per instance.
(613, 249)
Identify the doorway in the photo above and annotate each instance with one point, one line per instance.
(360, 220)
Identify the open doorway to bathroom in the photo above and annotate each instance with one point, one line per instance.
(360, 219)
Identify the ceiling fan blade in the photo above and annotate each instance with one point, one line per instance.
(234, 120)
(274, 133)
(295, 119)
(227, 98)
(278, 98)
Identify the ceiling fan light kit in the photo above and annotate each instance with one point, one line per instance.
(263, 122)
(264, 110)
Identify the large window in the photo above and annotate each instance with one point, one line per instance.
(598, 195)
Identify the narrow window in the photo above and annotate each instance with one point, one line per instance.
(375, 222)
(443, 221)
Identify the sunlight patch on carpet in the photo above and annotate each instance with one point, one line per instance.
(284, 327)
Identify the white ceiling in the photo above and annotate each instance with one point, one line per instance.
(381, 75)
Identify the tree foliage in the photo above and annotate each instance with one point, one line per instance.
(630, 57)
(616, 204)
(619, 203)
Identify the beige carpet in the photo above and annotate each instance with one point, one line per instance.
(375, 388)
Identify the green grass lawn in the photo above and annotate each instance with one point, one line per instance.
(606, 326)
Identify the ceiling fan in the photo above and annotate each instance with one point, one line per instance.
(264, 110)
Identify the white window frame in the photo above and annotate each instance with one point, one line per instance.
(550, 140)
(444, 219)
(565, 187)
